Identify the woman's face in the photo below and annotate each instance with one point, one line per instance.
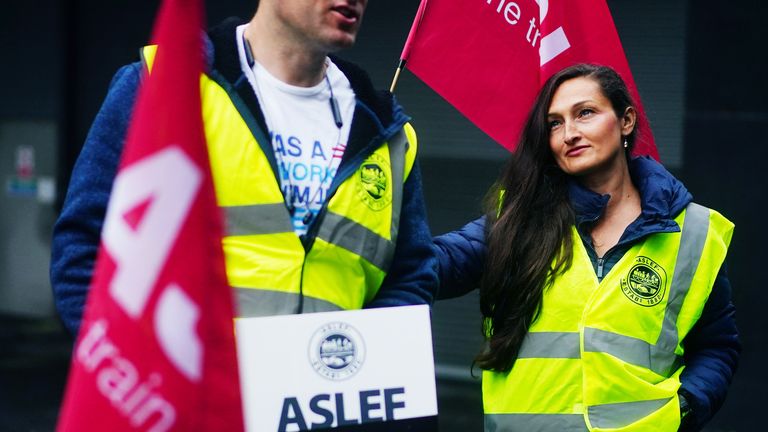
(586, 136)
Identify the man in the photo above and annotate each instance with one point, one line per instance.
(314, 171)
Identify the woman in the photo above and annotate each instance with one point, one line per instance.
(605, 302)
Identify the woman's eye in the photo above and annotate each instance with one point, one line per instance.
(585, 112)
(554, 123)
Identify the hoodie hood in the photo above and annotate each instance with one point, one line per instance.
(662, 197)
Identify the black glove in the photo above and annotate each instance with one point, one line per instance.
(687, 422)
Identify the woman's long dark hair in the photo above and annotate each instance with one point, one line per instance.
(529, 220)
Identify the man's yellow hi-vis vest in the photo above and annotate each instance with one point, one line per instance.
(608, 356)
(266, 262)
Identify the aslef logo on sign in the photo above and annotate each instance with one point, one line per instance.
(336, 351)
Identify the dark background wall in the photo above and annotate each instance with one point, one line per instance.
(699, 65)
(725, 122)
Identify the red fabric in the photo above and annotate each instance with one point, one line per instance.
(482, 56)
(157, 352)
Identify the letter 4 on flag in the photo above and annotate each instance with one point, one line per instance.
(489, 58)
(156, 350)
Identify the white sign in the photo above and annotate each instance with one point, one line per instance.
(322, 370)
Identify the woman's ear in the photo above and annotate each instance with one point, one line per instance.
(628, 121)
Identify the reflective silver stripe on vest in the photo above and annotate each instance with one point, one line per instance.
(398, 145)
(534, 423)
(617, 415)
(550, 345)
(358, 239)
(257, 219)
(258, 302)
(661, 357)
(630, 350)
(334, 229)
(694, 236)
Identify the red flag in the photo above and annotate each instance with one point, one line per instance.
(489, 58)
(156, 350)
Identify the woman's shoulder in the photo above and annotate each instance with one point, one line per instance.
(661, 193)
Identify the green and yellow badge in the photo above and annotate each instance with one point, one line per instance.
(646, 282)
(373, 186)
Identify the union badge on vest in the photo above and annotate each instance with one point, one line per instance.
(373, 183)
(645, 283)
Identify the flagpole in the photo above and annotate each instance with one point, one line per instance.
(400, 67)
(407, 47)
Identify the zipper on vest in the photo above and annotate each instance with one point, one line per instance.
(600, 262)
(300, 308)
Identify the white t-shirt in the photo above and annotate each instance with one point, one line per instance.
(307, 143)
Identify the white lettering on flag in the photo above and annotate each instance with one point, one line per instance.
(140, 250)
(552, 45)
(175, 323)
(137, 398)
(543, 9)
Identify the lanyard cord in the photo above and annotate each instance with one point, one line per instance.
(335, 111)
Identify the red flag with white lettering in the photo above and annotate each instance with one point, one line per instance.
(489, 58)
(156, 351)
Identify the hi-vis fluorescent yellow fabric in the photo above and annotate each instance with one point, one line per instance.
(607, 356)
(266, 262)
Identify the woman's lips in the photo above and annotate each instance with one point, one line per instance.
(576, 150)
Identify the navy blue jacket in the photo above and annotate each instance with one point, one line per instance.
(711, 348)
(411, 278)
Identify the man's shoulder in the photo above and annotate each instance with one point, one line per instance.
(359, 79)
(381, 102)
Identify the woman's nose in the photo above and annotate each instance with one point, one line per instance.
(570, 133)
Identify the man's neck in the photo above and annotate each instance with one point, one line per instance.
(284, 54)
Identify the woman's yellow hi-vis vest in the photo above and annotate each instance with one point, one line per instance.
(608, 356)
(266, 263)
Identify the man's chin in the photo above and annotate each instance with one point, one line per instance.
(340, 41)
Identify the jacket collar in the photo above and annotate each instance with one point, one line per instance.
(662, 198)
